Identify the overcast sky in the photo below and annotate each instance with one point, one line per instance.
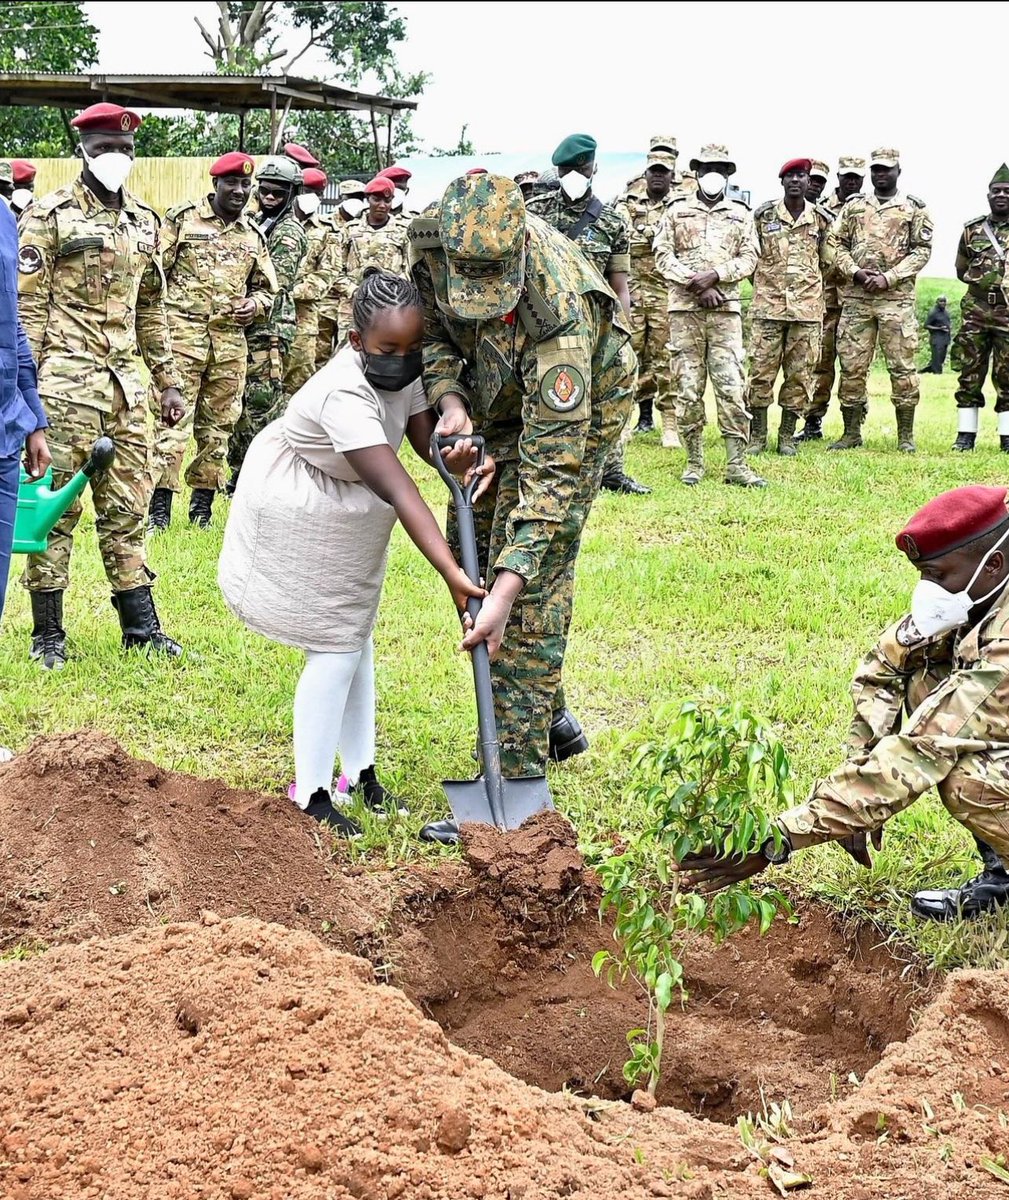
(772, 80)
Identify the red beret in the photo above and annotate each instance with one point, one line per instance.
(24, 171)
(106, 118)
(796, 164)
(477, 171)
(313, 178)
(300, 154)
(380, 187)
(235, 163)
(396, 174)
(951, 521)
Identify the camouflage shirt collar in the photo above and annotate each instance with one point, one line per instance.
(804, 218)
(242, 221)
(90, 204)
(896, 198)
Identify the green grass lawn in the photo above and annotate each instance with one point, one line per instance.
(769, 597)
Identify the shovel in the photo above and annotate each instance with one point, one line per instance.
(39, 507)
(491, 800)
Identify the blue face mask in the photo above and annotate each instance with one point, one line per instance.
(392, 372)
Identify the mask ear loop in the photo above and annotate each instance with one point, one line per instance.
(980, 567)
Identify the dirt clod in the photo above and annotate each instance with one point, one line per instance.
(453, 1130)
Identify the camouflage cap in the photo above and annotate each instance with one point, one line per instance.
(483, 226)
(6, 173)
(713, 154)
(660, 159)
(527, 177)
(663, 144)
(351, 187)
(851, 164)
(885, 156)
(1000, 176)
(820, 168)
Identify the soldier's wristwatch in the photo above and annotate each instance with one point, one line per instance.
(777, 857)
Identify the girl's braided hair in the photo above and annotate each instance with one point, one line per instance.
(379, 290)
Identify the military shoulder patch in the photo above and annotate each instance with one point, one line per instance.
(562, 389)
(425, 231)
(29, 260)
(177, 210)
(916, 201)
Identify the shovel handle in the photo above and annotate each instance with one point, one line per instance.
(461, 495)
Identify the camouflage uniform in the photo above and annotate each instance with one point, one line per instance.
(787, 306)
(954, 690)
(317, 274)
(210, 264)
(269, 341)
(91, 290)
(365, 246)
(329, 333)
(823, 376)
(893, 236)
(983, 335)
(550, 390)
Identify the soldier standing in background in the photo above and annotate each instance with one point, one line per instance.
(786, 311)
(523, 333)
(352, 204)
(400, 177)
(705, 246)
(643, 206)
(819, 174)
(850, 173)
(316, 276)
(219, 280)
(937, 325)
(377, 239)
(600, 232)
(24, 185)
(270, 341)
(91, 296)
(880, 244)
(983, 336)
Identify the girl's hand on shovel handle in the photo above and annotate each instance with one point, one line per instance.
(462, 589)
(490, 623)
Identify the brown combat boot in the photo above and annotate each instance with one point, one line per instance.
(786, 433)
(905, 429)
(851, 439)
(695, 457)
(736, 470)
(670, 431)
(758, 432)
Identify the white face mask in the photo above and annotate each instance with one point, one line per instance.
(935, 610)
(574, 185)
(353, 206)
(111, 170)
(398, 196)
(21, 197)
(712, 183)
(308, 202)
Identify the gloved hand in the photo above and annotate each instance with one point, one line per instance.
(857, 846)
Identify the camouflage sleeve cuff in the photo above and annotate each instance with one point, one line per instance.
(442, 387)
(166, 377)
(891, 278)
(522, 562)
(619, 264)
(797, 826)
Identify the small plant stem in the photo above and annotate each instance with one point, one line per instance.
(660, 1032)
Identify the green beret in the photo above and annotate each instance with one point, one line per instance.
(577, 148)
(1001, 175)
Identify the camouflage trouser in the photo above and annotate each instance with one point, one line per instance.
(527, 670)
(325, 341)
(708, 344)
(792, 346)
(299, 366)
(895, 324)
(823, 376)
(650, 340)
(121, 494)
(263, 399)
(212, 391)
(981, 340)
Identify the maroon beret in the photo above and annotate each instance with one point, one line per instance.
(311, 177)
(106, 118)
(300, 155)
(952, 520)
(380, 186)
(24, 171)
(796, 164)
(397, 174)
(235, 163)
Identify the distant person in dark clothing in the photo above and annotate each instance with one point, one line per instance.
(937, 324)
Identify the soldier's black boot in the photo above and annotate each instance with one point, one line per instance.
(758, 432)
(445, 831)
(49, 638)
(159, 515)
(567, 738)
(201, 505)
(905, 429)
(851, 439)
(812, 429)
(786, 433)
(964, 441)
(982, 894)
(1003, 443)
(616, 480)
(646, 421)
(141, 628)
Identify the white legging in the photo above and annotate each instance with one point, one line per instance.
(334, 710)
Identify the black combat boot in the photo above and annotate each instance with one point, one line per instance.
(49, 638)
(445, 832)
(615, 480)
(1003, 443)
(758, 432)
(376, 797)
(140, 625)
(982, 894)
(812, 429)
(159, 515)
(567, 738)
(201, 504)
(965, 441)
(646, 421)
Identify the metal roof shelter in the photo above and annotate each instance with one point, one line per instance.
(208, 93)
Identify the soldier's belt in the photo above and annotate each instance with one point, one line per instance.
(990, 296)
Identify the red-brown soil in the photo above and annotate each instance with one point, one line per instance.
(236, 1058)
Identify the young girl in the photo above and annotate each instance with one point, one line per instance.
(305, 546)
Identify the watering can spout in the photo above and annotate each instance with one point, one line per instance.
(39, 507)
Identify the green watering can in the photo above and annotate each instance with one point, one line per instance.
(39, 507)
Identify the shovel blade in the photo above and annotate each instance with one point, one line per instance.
(522, 798)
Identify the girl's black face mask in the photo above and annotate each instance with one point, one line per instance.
(392, 372)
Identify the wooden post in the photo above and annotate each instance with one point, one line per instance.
(374, 138)
(241, 130)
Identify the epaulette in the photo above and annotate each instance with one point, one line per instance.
(52, 201)
(425, 232)
(767, 206)
(828, 214)
(135, 200)
(177, 210)
(916, 201)
(740, 201)
(977, 220)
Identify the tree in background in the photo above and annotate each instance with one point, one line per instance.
(42, 37)
(463, 146)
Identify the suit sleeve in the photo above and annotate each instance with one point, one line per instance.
(28, 379)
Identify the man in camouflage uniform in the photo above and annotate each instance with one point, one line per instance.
(850, 173)
(601, 233)
(643, 206)
(879, 244)
(352, 205)
(705, 246)
(270, 341)
(377, 239)
(219, 280)
(931, 710)
(91, 296)
(524, 334)
(316, 276)
(787, 306)
(983, 335)
(527, 181)
(819, 173)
